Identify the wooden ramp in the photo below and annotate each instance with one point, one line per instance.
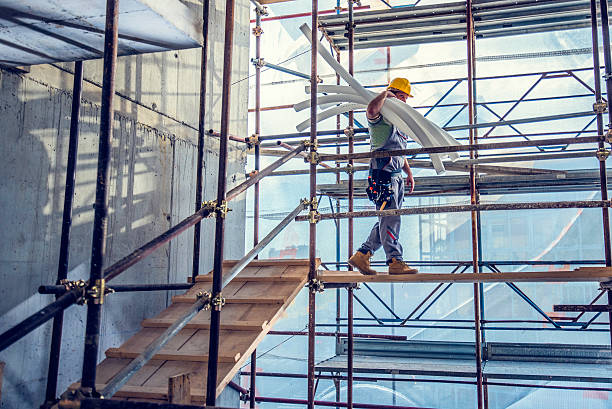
(581, 274)
(255, 300)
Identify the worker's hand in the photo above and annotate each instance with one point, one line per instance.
(411, 183)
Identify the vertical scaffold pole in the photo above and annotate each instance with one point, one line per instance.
(474, 198)
(351, 126)
(312, 272)
(64, 256)
(605, 28)
(98, 247)
(215, 315)
(257, 31)
(201, 138)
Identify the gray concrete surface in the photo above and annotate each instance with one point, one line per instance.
(153, 187)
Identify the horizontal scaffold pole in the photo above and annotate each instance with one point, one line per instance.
(461, 148)
(579, 204)
(71, 297)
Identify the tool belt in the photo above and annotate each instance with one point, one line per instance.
(380, 189)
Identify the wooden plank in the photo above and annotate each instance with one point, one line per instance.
(579, 275)
(234, 300)
(169, 356)
(223, 380)
(273, 262)
(235, 325)
(179, 389)
(229, 313)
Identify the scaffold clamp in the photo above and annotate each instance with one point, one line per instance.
(602, 154)
(313, 158)
(258, 62)
(609, 134)
(217, 302)
(600, 106)
(349, 132)
(211, 206)
(252, 140)
(349, 169)
(252, 174)
(98, 291)
(207, 296)
(79, 284)
(257, 31)
(312, 145)
(261, 10)
(316, 286)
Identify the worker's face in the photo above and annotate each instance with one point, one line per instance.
(401, 95)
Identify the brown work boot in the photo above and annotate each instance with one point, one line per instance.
(362, 262)
(399, 267)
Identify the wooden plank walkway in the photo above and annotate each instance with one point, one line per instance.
(580, 274)
(255, 300)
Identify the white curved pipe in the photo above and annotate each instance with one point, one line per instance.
(408, 120)
(302, 126)
(327, 99)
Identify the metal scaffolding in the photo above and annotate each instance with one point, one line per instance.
(94, 290)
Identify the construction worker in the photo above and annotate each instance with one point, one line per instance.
(386, 185)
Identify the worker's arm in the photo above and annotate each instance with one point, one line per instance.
(406, 168)
(375, 105)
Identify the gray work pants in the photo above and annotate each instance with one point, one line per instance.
(386, 231)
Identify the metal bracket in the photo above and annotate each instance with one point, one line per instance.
(313, 158)
(313, 216)
(212, 207)
(207, 295)
(608, 135)
(257, 31)
(252, 174)
(349, 169)
(258, 62)
(602, 154)
(600, 106)
(80, 284)
(312, 145)
(252, 140)
(217, 302)
(319, 80)
(262, 11)
(72, 398)
(349, 132)
(316, 286)
(98, 291)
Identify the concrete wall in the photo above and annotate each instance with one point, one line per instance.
(152, 188)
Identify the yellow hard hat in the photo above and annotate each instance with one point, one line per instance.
(401, 84)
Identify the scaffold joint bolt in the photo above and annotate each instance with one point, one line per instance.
(252, 140)
(312, 145)
(262, 11)
(313, 158)
(257, 31)
(314, 217)
(98, 291)
(349, 169)
(609, 134)
(80, 285)
(258, 62)
(211, 206)
(602, 154)
(349, 132)
(217, 302)
(252, 174)
(208, 296)
(600, 107)
(316, 286)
